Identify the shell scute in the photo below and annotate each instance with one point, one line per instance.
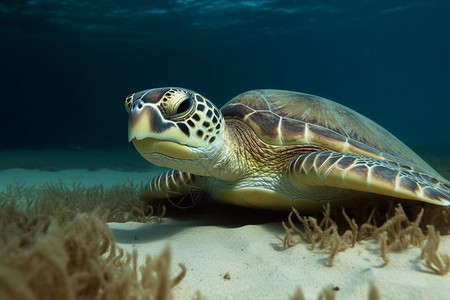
(237, 110)
(267, 124)
(292, 131)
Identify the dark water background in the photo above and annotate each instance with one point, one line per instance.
(67, 66)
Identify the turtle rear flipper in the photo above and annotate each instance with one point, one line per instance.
(365, 174)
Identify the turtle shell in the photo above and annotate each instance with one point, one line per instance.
(292, 118)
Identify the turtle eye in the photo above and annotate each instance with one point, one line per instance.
(177, 104)
(180, 107)
(128, 102)
(184, 106)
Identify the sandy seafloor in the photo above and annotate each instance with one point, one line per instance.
(212, 245)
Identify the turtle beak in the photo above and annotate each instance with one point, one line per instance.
(150, 133)
(146, 121)
(139, 121)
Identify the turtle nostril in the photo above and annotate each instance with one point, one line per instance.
(138, 105)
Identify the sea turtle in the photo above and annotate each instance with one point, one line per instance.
(273, 149)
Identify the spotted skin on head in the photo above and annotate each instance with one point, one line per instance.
(196, 117)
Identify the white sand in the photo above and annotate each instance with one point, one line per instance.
(253, 257)
(38, 177)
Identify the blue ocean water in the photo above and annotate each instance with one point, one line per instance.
(67, 65)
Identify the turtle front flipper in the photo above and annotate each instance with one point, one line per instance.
(171, 185)
(365, 174)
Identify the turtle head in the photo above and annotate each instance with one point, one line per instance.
(174, 127)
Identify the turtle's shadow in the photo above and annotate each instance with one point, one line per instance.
(210, 213)
(206, 214)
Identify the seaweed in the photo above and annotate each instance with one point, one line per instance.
(440, 264)
(324, 234)
(398, 230)
(55, 244)
(329, 293)
(118, 203)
